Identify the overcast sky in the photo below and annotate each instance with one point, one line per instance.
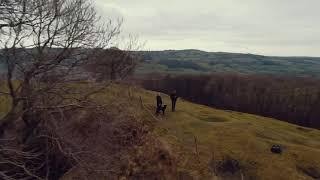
(268, 27)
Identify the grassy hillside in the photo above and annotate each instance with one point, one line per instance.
(201, 137)
(207, 142)
(196, 61)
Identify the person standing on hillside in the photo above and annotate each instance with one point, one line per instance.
(174, 98)
(159, 104)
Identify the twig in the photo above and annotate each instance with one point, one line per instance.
(196, 146)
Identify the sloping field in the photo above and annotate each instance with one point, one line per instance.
(208, 141)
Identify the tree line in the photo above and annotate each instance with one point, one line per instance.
(292, 99)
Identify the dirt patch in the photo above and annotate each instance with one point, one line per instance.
(226, 168)
(213, 119)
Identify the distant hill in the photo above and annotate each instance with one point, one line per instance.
(196, 61)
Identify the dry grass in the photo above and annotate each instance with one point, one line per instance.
(197, 136)
(244, 137)
(109, 137)
(122, 137)
(5, 101)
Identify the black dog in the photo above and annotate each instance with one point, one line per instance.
(161, 108)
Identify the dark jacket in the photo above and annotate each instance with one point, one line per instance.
(173, 97)
(159, 101)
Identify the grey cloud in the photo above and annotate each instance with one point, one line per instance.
(271, 27)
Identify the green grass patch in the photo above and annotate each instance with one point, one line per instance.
(213, 119)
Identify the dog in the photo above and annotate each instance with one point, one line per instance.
(161, 108)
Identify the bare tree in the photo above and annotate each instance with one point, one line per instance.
(45, 44)
(115, 63)
(8, 7)
(49, 39)
(112, 64)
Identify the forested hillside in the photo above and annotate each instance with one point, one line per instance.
(196, 61)
(295, 100)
